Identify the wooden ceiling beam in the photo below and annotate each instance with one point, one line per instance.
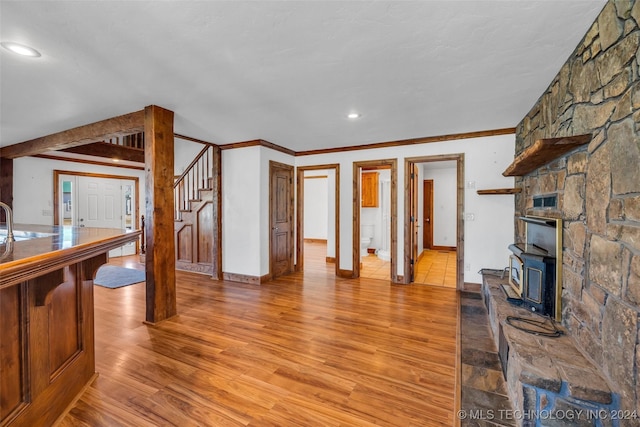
(87, 134)
(110, 151)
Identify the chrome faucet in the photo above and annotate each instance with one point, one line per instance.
(9, 219)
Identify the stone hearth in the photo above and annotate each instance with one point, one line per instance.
(549, 380)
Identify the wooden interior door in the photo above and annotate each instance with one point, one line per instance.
(280, 219)
(427, 229)
(415, 225)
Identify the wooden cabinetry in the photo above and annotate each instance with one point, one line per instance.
(47, 351)
(47, 323)
(369, 189)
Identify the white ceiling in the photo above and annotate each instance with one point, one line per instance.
(285, 71)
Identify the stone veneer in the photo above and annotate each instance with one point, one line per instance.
(596, 92)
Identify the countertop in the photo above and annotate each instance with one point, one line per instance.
(56, 247)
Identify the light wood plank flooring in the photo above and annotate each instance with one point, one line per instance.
(304, 350)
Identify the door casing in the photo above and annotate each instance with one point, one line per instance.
(300, 213)
(57, 217)
(414, 222)
(357, 168)
(408, 167)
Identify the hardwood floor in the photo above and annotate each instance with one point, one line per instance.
(304, 350)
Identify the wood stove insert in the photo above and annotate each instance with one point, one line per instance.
(541, 263)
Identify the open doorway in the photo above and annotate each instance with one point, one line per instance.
(317, 225)
(95, 200)
(434, 230)
(375, 223)
(374, 212)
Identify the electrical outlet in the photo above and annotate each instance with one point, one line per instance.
(47, 212)
(467, 266)
(471, 184)
(470, 217)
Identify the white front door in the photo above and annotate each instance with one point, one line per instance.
(101, 202)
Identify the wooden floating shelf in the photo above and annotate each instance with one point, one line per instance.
(542, 152)
(500, 191)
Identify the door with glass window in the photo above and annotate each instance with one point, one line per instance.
(94, 201)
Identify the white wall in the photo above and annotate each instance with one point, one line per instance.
(445, 183)
(316, 210)
(33, 186)
(183, 153)
(241, 185)
(486, 237)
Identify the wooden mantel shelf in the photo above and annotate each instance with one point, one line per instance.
(500, 191)
(542, 152)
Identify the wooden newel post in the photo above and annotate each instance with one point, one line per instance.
(142, 238)
(159, 227)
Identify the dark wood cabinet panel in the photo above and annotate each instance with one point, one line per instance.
(60, 335)
(206, 239)
(64, 321)
(12, 378)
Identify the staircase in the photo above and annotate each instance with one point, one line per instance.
(194, 214)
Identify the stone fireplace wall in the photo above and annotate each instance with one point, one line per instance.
(596, 92)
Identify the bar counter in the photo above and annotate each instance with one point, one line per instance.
(47, 353)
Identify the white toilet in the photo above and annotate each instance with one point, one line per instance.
(366, 236)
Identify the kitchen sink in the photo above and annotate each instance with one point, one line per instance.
(23, 235)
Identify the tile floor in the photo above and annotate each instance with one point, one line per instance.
(374, 268)
(437, 268)
(434, 268)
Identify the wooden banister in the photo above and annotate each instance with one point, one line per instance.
(197, 176)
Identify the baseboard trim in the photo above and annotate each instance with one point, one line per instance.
(194, 268)
(316, 241)
(242, 278)
(444, 248)
(345, 274)
(330, 260)
(265, 278)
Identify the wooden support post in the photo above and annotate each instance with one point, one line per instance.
(217, 219)
(160, 244)
(6, 184)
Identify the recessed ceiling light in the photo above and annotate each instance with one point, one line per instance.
(20, 49)
(353, 115)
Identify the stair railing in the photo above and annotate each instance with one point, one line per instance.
(197, 176)
(134, 141)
